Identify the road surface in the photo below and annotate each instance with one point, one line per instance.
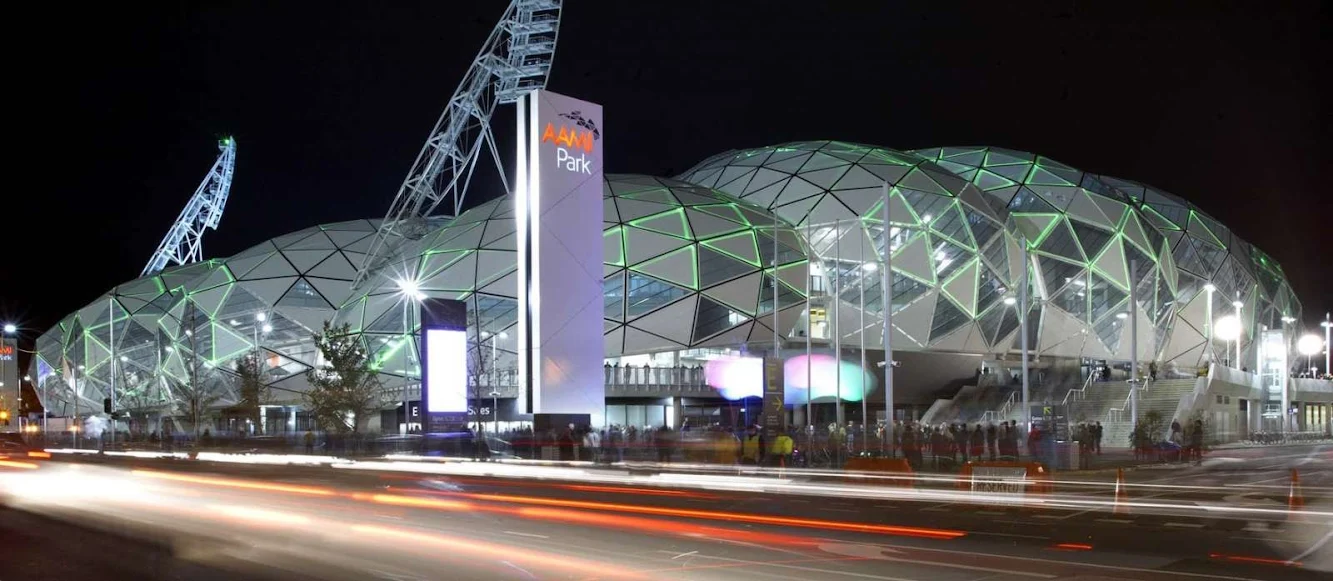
(150, 519)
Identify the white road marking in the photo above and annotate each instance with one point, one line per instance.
(516, 533)
(1123, 521)
(1320, 543)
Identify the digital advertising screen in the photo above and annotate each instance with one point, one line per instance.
(446, 383)
(444, 356)
(736, 378)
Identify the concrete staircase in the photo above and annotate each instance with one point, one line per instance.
(1161, 396)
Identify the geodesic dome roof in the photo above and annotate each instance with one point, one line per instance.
(1086, 229)
(684, 266)
(209, 311)
(951, 263)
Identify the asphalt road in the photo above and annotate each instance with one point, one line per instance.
(147, 519)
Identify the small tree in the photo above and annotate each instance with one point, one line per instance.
(345, 389)
(1147, 431)
(197, 394)
(252, 390)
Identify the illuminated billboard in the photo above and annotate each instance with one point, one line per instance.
(558, 216)
(736, 378)
(444, 361)
(446, 382)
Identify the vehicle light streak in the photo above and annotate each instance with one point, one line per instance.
(1260, 560)
(435, 543)
(17, 464)
(234, 483)
(726, 516)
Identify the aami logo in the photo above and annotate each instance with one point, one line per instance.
(569, 140)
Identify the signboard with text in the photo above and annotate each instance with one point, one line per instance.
(773, 417)
(558, 218)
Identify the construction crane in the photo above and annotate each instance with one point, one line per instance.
(515, 60)
(183, 243)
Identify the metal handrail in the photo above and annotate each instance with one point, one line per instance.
(1079, 390)
(995, 415)
(1115, 414)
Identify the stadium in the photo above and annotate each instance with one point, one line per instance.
(695, 267)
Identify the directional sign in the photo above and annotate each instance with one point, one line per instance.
(774, 413)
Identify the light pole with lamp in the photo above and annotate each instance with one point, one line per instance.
(1240, 327)
(1227, 329)
(1308, 346)
(411, 292)
(261, 325)
(1208, 318)
(9, 330)
(1328, 345)
(495, 413)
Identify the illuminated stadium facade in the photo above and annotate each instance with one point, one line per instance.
(690, 267)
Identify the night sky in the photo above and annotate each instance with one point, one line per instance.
(118, 107)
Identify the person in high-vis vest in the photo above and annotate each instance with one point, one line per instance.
(750, 449)
(779, 451)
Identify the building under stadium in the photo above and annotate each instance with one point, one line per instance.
(692, 267)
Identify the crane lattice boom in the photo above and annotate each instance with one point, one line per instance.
(183, 244)
(516, 59)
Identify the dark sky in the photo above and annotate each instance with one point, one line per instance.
(118, 106)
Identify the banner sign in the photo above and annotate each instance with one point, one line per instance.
(999, 480)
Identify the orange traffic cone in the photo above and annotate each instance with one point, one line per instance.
(1295, 500)
(1121, 498)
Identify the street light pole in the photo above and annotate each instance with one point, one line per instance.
(1133, 348)
(1208, 319)
(1240, 332)
(1023, 323)
(1328, 347)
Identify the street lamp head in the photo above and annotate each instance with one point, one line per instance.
(504, 335)
(124, 359)
(81, 368)
(1227, 328)
(1288, 319)
(1237, 304)
(1309, 345)
(11, 328)
(27, 378)
(1122, 315)
(1009, 301)
(869, 267)
(410, 289)
(266, 328)
(261, 317)
(1325, 324)
(1209, 287)
(485, 334)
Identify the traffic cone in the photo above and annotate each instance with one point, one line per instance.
(1121, 498)
(1295, 500)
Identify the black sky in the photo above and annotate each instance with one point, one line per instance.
(117, 107)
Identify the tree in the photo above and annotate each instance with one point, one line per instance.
(345, 389)
(252, 390)
(194, 396)
(1147, 432)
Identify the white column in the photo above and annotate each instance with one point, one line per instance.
(1133, 346)
(809, 329)
(886, 301)
(837, 312)
(861, 335)
(1023, 329)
